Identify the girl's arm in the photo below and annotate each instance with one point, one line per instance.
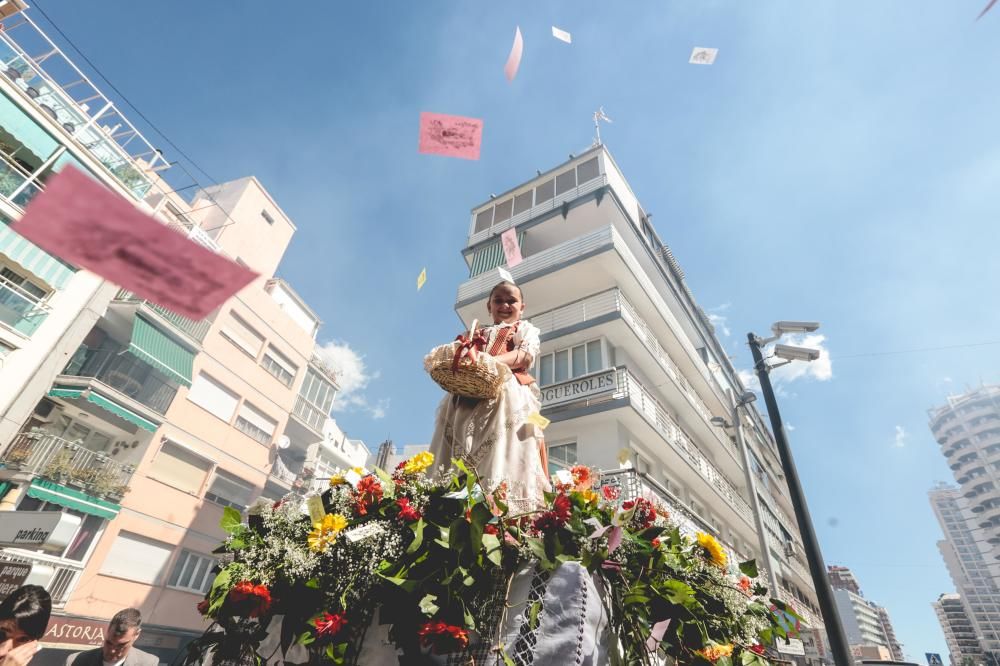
(528, 344)
(515, 360)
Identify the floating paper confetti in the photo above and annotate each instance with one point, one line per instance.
(451, 136)
(505, 275)
(538, 420)
(84, 223)
(421, 279)
(703, 56)
(562, 35)
(987, 8)
(511, 248)
(514, 59)
(316, 509)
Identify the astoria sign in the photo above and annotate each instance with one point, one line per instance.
(584, 387)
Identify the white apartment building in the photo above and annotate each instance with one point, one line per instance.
(959, 632)
(630, 368)
(860, 619)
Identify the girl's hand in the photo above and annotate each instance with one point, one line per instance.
(20, 655)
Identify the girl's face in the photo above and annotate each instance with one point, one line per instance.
(505, 304)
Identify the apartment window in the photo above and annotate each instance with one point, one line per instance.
(502, 211)
(545, 191)
(561, 456)
(278, 365)
(230, 490)
(241, 334)
(213, 397)
(576, 361)
(565, 181)
(587, 171)
(484, 219)
(250, 421)
(178, 467)
(192, 572)
(522, 202)
(318, 391)
(79, 545)
(24, 283)
(267, 217)
(134, 557)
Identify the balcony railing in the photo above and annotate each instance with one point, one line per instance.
(20, 310)
(281, 472)
(68, 463)
(125, 373)
(627, 386)
(197, 330)
(310, 415)
(14, 183)
(64, 573)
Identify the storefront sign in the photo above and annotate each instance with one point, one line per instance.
(49, 530)
(75, 631)
(584, 387)
(793, 647)
(12, 576)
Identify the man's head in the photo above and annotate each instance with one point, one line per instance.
(24, 615)
(123, 629)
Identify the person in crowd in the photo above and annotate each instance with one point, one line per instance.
(118, 648)
(24, 615)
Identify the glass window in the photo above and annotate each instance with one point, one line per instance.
(484, 219)
(230, 490)
(255, 423)
(192, 572)
(85, 535)
(180, 468)
(241, 334)
(587, 171)
(561, 456)
(562, 365)
(522, 202)
(595, 360)
(545, 370)
(503, 211)
(545, 191)
(279, 365)
(565, 181)
(579, 361)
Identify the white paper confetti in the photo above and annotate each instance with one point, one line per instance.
(562, 35)
(703, 56)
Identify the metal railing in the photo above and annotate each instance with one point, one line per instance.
(126, 374)
(64, 573)
(281, 472)
(196, 330)
(68, 463)
(20, 310)
(310, 415)
(14, 182)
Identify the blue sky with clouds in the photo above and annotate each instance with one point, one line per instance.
(839, 162)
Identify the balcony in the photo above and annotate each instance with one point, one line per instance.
(14, 183)
(20, 310)
(196, 330)
(57, 575)
(618, 385)
(126, 374)
(56, 459)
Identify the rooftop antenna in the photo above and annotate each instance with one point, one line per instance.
(599, 115)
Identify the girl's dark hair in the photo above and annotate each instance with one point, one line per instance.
(29, 606)
(504, 283)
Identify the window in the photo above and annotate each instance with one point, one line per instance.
(137, 558)
(267, 217)
(192, 572)
(502, 211)
(561, 456)
(565, 364)
(180, 468)
(90, 527)
(255, 423)
(241, 334)
(318, 391)
(587, 171)
(522, 202)
(213, 397)
(545, 191)
(24, 283)
(484, 219)
(278, 365)
(565, 181)
(230, 490)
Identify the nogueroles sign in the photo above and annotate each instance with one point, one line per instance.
(584, 387)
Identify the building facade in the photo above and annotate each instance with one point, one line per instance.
(959, 632)
(860, 620)
(969, 567)
(630, 370)
(842, 578)
(895, 647)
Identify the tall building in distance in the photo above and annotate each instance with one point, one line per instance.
(630, 369)
(866, 623)
(842, 578)
(959, 632)
(895, 647)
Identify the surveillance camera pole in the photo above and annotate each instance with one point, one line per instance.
(828, 607)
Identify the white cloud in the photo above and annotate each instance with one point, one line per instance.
(821, 369)
(749, 380)
(719, 320)
(353, 377)
(789, 427)
(899, 440)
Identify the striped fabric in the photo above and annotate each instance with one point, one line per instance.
(490, 257)
(41, 264)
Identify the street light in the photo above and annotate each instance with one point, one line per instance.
(828, 607)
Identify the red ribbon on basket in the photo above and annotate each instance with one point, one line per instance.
(468, 345)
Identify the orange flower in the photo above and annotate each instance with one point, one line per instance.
(716, 652)
(744, 584)
(583, 477)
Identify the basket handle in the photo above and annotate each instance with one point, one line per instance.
(472, 329)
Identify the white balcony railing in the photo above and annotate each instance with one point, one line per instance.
(20, 310)
(63, 578)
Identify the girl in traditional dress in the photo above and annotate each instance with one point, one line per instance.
(494, 436)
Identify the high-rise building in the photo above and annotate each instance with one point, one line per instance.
(959, 632)
(842, 578)
(860, 620)
(895, 648)
(969, 566)
(630, 370)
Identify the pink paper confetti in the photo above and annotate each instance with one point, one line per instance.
(656, 635)
(451, 136)
(84, 223)
(986, 9)
(511, 249)
(615, 538)
(514, 59)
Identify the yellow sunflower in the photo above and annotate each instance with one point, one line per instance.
(337, 480)
(419, 463)
(713, 549)
(325, 531)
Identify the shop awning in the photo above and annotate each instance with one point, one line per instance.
(161, 351)
(29, 133)
(105, 404)
(491, 256)
(50, 491)
(40, 263)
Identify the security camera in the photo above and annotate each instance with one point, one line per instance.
(782, 327)
(790, 353)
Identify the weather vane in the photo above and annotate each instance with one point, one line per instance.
(599, 115)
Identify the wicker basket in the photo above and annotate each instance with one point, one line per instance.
(475, 375)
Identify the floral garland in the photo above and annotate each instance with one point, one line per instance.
(429, 555)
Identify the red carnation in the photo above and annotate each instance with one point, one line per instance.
(443, 638)
(557, 517)
(644, 515)
(407, 512)
(330, 625)
(757, 649)
(610, 493)
(250, 600)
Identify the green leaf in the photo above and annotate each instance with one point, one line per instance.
(507, 661)
(232, 521)
(427, 605)
(313, 583)
(749, 568)
(305, 638)
(494, 552)
(418, 536)
(220, 588)
(536, 608)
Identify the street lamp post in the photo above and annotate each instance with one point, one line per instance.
(828, 608)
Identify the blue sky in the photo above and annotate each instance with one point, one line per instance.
(839, 162)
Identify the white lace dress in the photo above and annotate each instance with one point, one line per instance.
(494, 436)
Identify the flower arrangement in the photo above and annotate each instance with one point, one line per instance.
(430, 554)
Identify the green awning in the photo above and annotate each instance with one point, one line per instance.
(20, 125)
(105, 404)
(491, 256)
(161, 351)
(50, 491)
(35, 260)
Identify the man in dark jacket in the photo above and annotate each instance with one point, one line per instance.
(117, 650)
